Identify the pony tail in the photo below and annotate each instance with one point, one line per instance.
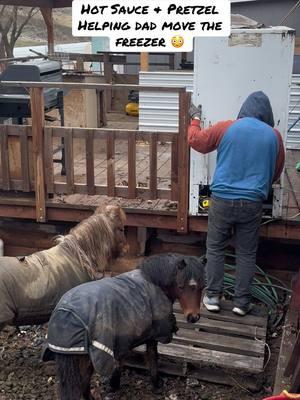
(68, 374)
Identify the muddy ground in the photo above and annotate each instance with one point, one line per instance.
(24, 376)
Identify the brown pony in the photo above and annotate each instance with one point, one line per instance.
(95, 325)
(31, 286)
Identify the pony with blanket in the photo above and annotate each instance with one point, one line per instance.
(95, 325)
(30, 287)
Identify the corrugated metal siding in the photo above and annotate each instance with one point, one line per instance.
(293, 136)
(159, 111)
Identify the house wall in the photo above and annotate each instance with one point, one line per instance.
(269, 12)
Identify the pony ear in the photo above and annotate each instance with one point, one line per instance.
(115, 212)
(182, 264)
(203, 260)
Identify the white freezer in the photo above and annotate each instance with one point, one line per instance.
(226, 71)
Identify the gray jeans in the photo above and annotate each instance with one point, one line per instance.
(241, 218)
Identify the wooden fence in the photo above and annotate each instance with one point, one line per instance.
(35, 155)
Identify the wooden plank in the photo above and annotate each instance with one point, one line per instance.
(17, 130)
(25, 160)
(5, 159)
(255, 318)
(174, 169)
(110, 153)
(47, 14)
(204, 373)
(81, 188)
(229, 344)
(120, 134)
(153, 166)
(68, 143)
(38, 121)
(131, 167)
(108, 75)
(295, 386)
(48, 153)
(100, 86)
(222, 327)
(288, 341)
(144, 61)
(101, 109)
(199, 355)
(183, 164)
(90, 170)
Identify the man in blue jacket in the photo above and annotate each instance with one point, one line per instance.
(250, 157)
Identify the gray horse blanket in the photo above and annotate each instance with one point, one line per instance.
(107, 318)
(31, 287)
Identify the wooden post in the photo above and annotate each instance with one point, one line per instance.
(288, 360)
(144, 61)
(48, 18)
(183, 164)
(38, 120)
(108, 74)
(101, 109)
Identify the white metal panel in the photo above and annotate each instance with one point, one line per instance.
(226, 71)
(293, 136)
(159, 111)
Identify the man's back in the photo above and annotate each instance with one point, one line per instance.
(246, 161)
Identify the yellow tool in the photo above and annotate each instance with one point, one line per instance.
(204, 203)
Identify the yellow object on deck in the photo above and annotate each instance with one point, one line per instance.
(132, 109)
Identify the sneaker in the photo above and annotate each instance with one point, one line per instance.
(242, 311)
(211, 303)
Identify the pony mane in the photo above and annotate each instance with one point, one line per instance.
(91, 242)
(161, 269)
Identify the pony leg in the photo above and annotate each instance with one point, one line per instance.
(115, 379)
(68, 374)
(86, 370)
(152, 358)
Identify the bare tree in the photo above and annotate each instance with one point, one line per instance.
(11, 28)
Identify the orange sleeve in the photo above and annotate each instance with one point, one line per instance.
(206, 140)
(280, 157)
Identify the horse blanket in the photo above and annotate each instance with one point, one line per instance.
(107, 318)
(31, 287)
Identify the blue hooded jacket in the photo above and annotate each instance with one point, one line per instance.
(247, 153)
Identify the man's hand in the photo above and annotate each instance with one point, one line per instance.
(195, 112)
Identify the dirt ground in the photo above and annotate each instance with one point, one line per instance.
(24, 376)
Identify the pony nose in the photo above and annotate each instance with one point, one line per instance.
(192, 318)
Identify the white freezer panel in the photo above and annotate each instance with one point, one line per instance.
(226, 71)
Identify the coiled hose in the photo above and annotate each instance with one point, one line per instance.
(266, 289)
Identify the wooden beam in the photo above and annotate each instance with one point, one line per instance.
(153, 166)
(38, 121)
(90, 168)
(48, 18)
(100, 86)
(108, 74)
(144, 61)
(132, 167)
(5, 159)
(183, 164)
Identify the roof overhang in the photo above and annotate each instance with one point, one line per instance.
(38, 3)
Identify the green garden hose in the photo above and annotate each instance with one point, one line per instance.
(266, 289)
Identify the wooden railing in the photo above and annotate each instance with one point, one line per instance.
(35, 171)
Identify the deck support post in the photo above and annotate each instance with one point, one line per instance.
(38, 121)
(183, 163)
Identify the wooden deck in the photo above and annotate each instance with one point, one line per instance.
(221, 340)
